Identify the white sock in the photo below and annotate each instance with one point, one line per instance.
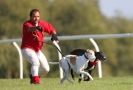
(34, 70)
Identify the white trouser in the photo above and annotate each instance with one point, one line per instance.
(36, 58)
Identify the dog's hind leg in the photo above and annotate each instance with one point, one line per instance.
(65, 67)
(65, 77)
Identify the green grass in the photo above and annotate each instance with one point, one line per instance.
(106, 83)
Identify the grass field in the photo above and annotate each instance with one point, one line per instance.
(106, 83)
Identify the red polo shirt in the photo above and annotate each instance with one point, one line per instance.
(28, 40)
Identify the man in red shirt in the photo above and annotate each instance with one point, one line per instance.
(32, 42)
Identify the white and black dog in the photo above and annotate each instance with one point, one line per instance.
(91, 64)
(77, 64)
(79, 61)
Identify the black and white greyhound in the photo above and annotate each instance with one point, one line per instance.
(91, 64)
(79, 60)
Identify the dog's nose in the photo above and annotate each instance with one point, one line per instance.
(104, 58)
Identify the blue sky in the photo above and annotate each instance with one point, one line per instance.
(109, 7)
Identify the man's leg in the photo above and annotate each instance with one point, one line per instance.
(43, 62)
(33, 59)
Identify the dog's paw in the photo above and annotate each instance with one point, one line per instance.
(79, 80)
(61, 81)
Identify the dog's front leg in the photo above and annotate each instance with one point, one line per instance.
(80, 69)
(81, 77)
(86, 73)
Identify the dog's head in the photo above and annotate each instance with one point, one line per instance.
(100, 56)
(90, 54)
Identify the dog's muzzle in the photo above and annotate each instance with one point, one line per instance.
(100, 56)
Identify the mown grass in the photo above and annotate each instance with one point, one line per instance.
(106, 83)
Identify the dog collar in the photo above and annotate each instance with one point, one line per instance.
(86, 56)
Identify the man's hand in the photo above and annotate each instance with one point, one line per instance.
(39, 28)
(35, 28)
(54, 37)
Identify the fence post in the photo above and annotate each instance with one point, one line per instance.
(20, 59)
(99, 62)
(60, 57)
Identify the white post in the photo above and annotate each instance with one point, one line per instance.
(60, 57)
(20, 59)
(99, 62)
